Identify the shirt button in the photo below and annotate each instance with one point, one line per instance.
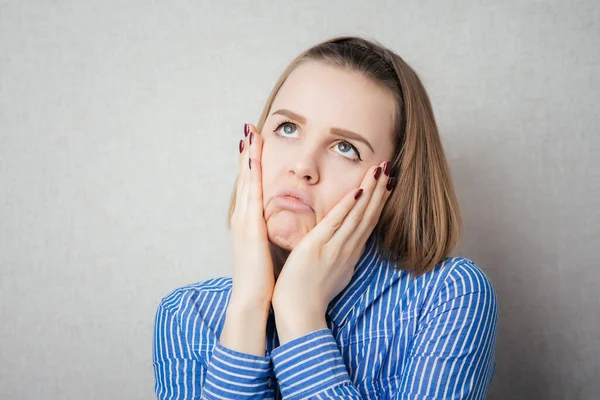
(269, 382)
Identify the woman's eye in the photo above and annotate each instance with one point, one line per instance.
(346, 149)
(287, 128)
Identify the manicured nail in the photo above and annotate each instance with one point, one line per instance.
(241, 145)
(377, 173)
(358, 193)
(246, 129)
(390, 184)
(249, 163)
(251, 137)
(386, 168)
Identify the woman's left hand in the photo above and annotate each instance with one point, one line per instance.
(322, 264)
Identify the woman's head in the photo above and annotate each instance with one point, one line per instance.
(325, 128)
(339, 108)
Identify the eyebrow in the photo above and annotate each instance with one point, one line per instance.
(334, 131)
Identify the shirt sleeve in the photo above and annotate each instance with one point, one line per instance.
(452, 356)
(181, 373)
(311, 366)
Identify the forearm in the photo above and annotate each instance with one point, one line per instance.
(239, 367)
(245, 327)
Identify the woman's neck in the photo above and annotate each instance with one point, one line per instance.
(279, 257)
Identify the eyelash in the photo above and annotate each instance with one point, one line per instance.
(287, 121)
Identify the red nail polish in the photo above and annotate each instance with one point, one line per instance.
(377, 173)
(250, 163)
(390, 184)
(251, 137)
(357, 195)
(241, 145)
(386, 168)
(246, 129)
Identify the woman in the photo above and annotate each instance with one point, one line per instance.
(343, 217)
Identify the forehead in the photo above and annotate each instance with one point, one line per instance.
(334, 97)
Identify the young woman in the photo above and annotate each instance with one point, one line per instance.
(343, 217)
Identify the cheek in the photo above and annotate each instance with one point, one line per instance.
(268, 157)
(272, 170)
(337, 179)
(330, 196)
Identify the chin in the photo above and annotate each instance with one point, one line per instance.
(281, 242)
(285, 230)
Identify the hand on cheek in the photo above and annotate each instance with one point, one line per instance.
(253, 279)
(322, 264)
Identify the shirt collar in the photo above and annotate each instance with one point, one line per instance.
(365, 272)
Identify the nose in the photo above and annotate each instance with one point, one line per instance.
(304, 167)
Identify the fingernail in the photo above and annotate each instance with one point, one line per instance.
(250, 163)
(377, 173)
(241, 145)
(386, 168)
(357, 195)
(390, 184)
(251, 137)
(246, 129)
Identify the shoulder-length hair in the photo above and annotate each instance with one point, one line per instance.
(420, 224)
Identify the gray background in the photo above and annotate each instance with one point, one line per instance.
(119, 126)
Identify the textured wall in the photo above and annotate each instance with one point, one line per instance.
(119, 125)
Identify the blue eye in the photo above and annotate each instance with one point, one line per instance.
(344, 146)
(285, 127)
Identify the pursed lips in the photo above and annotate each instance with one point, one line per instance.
(294, 199)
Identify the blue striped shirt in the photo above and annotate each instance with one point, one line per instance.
(390, 335)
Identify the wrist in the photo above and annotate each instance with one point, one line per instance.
(244, 328)
(292, 324)
(248, 310)
(249, 303)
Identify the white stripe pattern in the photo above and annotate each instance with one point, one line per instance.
(390, 335)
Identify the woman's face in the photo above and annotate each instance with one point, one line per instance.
(326, 127)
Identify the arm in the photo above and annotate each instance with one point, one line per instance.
(182, 373)
(237, 367)
(452, 356)
(311, 366)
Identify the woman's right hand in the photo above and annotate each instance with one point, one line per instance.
(253, 278)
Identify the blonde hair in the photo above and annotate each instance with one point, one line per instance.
(420, 224)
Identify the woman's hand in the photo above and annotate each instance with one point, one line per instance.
(253, 278)
(322, 264)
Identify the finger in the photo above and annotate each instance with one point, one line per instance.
(255, 167)
(325, 229)
(355, 217)
(243, 165)
(373, 211)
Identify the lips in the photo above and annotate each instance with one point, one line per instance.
(296, 196)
